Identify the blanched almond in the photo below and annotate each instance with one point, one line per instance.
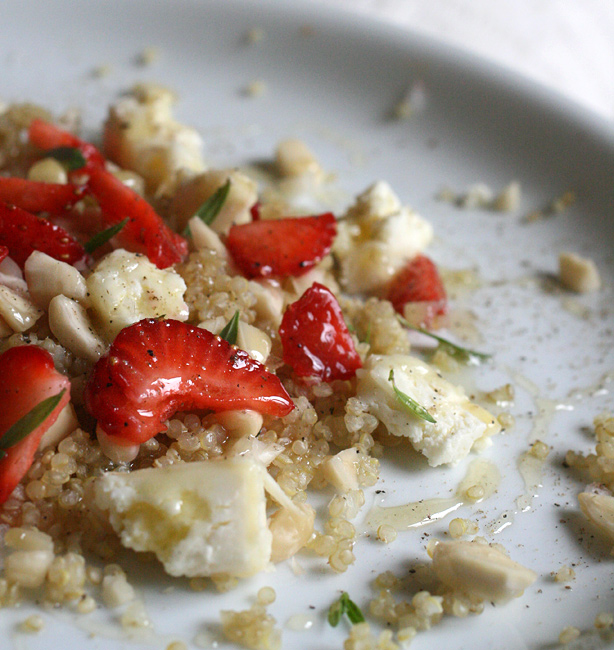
(69, 321)
(48, 277)
(480, 570)
(599, 509)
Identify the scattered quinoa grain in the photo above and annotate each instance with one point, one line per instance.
(569, 634)
(33, 624)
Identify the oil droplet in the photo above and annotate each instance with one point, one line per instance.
(480, 472)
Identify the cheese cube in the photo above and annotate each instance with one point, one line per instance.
(200, 519)
(458, 422)
(126, 287)
(376, 238)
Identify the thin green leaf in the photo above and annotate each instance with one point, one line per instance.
(30, 421)
(336, 611)
(231, 329)
(209, 210)
(344, 605)
(410, 403)
(69, 157)
(103, 237)
(352, 610)
(464, 355)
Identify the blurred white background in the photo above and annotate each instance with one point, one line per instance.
(567, 45)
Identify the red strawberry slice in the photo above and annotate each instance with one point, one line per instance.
(315, 338)
(281, 247)
(27, 377)
(145, 231)
(4, 251)
(418, 286)
(35, 196)
(48, 136)
(23, 232)
(155, 368)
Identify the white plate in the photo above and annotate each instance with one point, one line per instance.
(333, 80)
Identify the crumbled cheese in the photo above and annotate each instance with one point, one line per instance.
(199, 518)
(459, 422)
(126, 287)
(141, 134)
(376, 238)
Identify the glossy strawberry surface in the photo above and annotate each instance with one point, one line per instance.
(145, 231)
(316, 341)
(27, 377)
(157, 367)
(23, 232)
(419, 283)
(281, 247)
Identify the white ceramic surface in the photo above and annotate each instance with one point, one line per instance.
(334, 81)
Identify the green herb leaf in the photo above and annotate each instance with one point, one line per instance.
(344, 605)
(209, 210)
(352, 610)
(34, 418)
(103, 237)
(335, 612)
(464, 355)
(231, 329)
(410, 403)
(69, 157)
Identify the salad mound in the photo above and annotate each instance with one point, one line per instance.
(212, 359)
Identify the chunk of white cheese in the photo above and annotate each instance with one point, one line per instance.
(377, 237)
(141, 134)
(458, 422)
(200, 519)
(126, 287)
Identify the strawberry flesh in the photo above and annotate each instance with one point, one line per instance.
(48, 136)
(155, 368)
(22, 233)
(27, 377)
(316, 341)
(35, 196)
(145, 231)
(418, 284)
(281, 247)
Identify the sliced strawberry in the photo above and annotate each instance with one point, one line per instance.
(255, 212)
(145, 232)
(23, 232)
(35, 196)
(417, 288)
(27, 377)
(281, 247)
(155, 368)
(48, 136)
(315, 338)
(4, 251)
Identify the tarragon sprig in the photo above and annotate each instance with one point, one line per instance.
(209, 210)
(344, 605)
(231, 329)
(409, 402)
(103, 237)
(30, 421)
(464, 355)
(69, 157)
